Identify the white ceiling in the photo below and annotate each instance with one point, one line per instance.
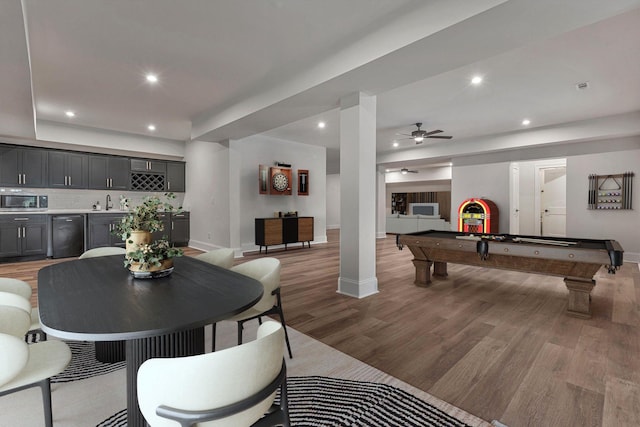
(229, 69)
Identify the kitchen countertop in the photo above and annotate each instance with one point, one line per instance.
(61, 212)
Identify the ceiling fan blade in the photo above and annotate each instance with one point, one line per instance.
(440, 137)
(433, 131)
(403, 134)
(412, 171)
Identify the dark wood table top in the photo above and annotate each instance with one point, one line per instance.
(97, 299)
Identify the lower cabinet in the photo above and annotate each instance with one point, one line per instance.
(180, 229)
(23, 235)
(166, 232)
(101, 231)
(278, 231)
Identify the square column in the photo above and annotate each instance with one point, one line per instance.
(358, 191)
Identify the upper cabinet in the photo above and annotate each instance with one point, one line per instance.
(68, 170)
(148, 175)
(148, 165)
(23, 167)
(175, 176)
(53, 168)
(108, 172)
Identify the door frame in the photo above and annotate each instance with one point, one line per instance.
(539, 167)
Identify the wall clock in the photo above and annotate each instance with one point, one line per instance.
(280, 181)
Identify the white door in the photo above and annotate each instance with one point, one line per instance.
(514, 202)
(553, 202)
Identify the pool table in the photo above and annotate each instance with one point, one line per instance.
(577, 260)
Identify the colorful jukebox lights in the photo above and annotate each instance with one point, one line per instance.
(478, 216)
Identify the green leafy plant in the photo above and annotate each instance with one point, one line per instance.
(146, 216)
(152, 254)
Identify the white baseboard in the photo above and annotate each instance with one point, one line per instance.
(358, 289)
(631, 257)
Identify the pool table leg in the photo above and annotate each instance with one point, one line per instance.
(440, 269)
(423, 273)
(579, 297)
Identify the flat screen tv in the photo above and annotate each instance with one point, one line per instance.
(430, 209)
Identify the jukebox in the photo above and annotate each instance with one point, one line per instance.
(478, 216)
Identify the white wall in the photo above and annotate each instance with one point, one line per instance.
(333, 201)
(619, 225)
(259, 149)
(481, 182)
(207, 196)
(103, 141)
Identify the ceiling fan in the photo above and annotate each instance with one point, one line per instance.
(403, 171)
(419, 135)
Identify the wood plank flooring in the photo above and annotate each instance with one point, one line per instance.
(495, 343)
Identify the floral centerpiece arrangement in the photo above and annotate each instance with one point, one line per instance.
(143, 254)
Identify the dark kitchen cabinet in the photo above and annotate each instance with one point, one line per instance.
(175, 177)
(68, 170)
(180, 229)
(23, 235)
(108, 172)
(148, 165)
(166, 233)
(23, 167)
(101, 229)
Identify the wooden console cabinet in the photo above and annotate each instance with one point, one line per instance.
(278, 231)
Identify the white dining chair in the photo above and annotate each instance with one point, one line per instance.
(105, 251)
(267, 271)
(28, 365)
(23, 289)
(222, 257)
(232, 387)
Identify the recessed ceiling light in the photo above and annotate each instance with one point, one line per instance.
(152, 78)
(526, 122)
(387, 170)
(151, 127)
(395, 143)
(321, 125)
(476, 80)
(70, 113)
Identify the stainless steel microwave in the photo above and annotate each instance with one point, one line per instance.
(23, 201)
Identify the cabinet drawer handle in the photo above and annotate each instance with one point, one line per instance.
(24, 179)
(69, 180)
(21, 219)
(65, 180)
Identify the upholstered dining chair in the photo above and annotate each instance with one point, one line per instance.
(28, 365)
(23, 289)
(231, 387)
(104, 251)
(222, 257)
(267, 271)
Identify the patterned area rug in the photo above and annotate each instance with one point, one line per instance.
(325, 402)
(326, 388)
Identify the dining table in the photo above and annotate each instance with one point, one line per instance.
(98, 299)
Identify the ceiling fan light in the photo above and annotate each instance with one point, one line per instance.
(404, 171)
(418, 138)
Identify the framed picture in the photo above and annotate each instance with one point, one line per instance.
(303, 182)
